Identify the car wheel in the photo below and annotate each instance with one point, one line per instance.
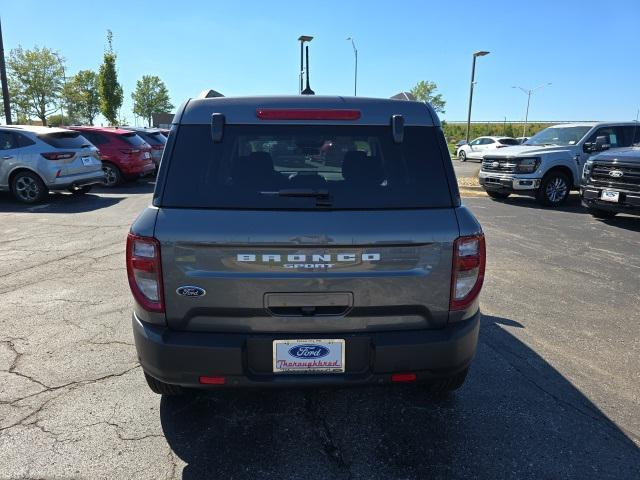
(554, 189)
(163, 388)
(498, 195)
(449, 384)
(462, 156)
(112, 175)
(27, 187)
(597, 213)
(80, 190)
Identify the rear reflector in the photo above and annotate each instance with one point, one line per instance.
(57, 155)
(306, 114)
(212, 380)
(467, 273)
(403, 377)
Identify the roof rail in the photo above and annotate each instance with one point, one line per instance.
(209, 94)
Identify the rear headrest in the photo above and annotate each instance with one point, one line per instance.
(261, 163)
(252, 169)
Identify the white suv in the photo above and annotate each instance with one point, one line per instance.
(479, 147)
(550, 163)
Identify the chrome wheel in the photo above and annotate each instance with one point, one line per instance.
(557, 190)
(27, 189)
(462, 156)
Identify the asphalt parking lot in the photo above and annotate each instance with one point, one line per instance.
(554, 391)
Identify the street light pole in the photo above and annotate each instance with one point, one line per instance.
(3, 80)
(302, 39)
(64, 84)
(355, 76)
(481, 53)
(528, 94)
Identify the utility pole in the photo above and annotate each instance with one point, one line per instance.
(481, 53)
(528, 94)
(3, 78)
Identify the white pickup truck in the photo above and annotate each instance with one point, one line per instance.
(550, 163)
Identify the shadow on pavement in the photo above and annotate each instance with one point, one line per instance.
(137, 187)
(572, 204)
(58, 203)
(516, 417)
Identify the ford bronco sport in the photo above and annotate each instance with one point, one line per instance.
(305, 241)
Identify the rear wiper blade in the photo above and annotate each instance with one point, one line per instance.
(323, 198)
(303, 192)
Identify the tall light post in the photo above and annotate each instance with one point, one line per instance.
(528, 94)
(3, 80)
(302, 39)
(64, 84)
(481, 53)
(355, 75)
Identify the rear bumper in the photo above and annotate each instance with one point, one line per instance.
(246, 360)
(138, 169)
(629, 201)
(80, 180)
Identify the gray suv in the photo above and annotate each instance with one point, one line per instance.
(305, 241)
(35, 160)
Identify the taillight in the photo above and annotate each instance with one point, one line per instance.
(144, 272)
(57, 155)
(467, 275)
(306, 114)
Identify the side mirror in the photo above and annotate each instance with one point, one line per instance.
(602, 143)
(588, 147)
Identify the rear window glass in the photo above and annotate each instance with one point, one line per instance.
(509, 141)
(64, 139)
(155, 138)
(133, 139)
(305, 167)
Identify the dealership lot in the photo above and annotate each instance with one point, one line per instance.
(553, 393)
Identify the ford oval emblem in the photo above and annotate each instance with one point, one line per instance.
(191, 291)
(495, 164)
(616, 173)
(309, 351)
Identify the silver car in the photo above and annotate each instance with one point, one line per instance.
(35, 160)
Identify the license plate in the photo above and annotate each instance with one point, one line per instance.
(86, 161)
(308, 356)
(146, 155)
(610, 196)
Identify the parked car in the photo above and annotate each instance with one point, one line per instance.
(521, 140)
(460, 143)
(164, 131)
(154, 138)
(249, 271)
(36, 160)
(124, 155)
(479, 147)
(550, 163)
(611, 183)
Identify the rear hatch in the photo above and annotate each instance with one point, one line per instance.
(306, 229)
(71, 152)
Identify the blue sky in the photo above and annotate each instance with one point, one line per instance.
(587, 49)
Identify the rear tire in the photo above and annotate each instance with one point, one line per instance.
(112, 175)
(554, 189)
(80, 190)
(462, 156)
(498, 195)
(27, 187)
(449, 384)
(604, 214)
(162, 388)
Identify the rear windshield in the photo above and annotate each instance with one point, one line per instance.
(133, 139)
(64, 139)
(306, 167)
(509, 141)
(155, 138)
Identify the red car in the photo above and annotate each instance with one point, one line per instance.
(124, 155)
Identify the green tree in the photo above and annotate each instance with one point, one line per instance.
(108, 87)
(151, 96)
(35, 81)
(81, 97)
(58, 120)
(425, 91)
